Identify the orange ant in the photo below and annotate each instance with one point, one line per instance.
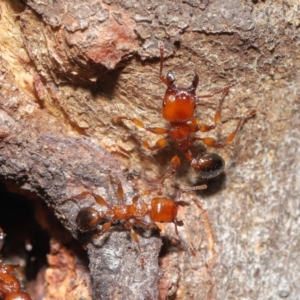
(10, 288)
(178, 108)
(139, 214)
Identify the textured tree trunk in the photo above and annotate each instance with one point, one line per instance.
(68, 67)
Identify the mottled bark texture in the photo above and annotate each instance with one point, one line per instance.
(68, 67)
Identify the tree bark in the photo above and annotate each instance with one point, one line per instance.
(68, 67)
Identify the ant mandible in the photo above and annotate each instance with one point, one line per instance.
(10, 288)
(139, 214)
(178, 108)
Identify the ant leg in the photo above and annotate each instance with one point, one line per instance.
(175, 163)
(209, 235)
(161, 50)
(134, 235)
(140, 124)
(105, 228)
(205, 220)
(192, 188)
(212, 255)
(146, 225)
(211, 142)
(158, 145)
(188, 190)
(120, 191)
(99, 199)
(182, 203)
(136, 239)
(217, 117)
(223, 90)
(232, 135)
(156, 130)
(180, 223)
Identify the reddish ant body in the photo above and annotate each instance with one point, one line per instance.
(178, 108)
(10, 288)
(161, 209)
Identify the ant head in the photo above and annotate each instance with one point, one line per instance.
(179, 103)
(163, 210)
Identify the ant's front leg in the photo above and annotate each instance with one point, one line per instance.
(156, 130)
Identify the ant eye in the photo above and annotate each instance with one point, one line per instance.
(164, 104)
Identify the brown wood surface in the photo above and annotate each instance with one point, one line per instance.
(68, 67)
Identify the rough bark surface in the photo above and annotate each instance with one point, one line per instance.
(68, 67)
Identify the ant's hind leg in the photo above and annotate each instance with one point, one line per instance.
(232, 135)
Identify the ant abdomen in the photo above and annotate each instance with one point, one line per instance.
(17, 296)
(10, 287)
(87, 218)
(8, 283)
(208, 165)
